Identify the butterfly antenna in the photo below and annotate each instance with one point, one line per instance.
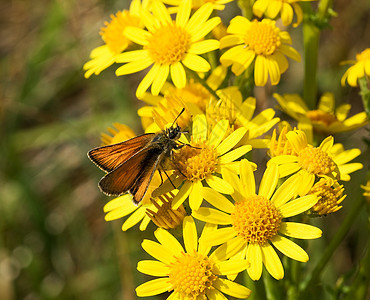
(183, 109)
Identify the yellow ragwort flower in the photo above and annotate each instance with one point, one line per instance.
(360, 68)
(239, 113)
(115, 42)
(326, 119)
(293, 153)
(169, 46)
(366, 189)
(257, 219)
(188, 273)
(271, 8)
(259, 41)
(202, 161)
(330, 196)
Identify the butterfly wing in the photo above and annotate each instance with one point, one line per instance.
(133, 175)
(110, 157)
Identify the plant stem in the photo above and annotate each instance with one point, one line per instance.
(365, 95)
(334, 243)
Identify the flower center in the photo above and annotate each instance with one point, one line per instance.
(166, 217)
(315, 161)
(262, 38)
(168, 44)
(256, 219)
(364, 55)
(194, 163)
(329, 197)
(191, 275)
(112, 34)
(320, 116)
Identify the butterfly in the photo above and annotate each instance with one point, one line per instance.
(130, 165)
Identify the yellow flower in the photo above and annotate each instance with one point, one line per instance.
(257, 219)
(360, 69)
(115, 42)
(203, 160)
(216, 4)
(326, 119)
(188, 273)
(169, 45)
(271, 8)
(240, 113)
(330, 195)
(259, 41)
(293, 153)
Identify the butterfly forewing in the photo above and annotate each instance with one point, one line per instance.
(133, 175)
(110, 157)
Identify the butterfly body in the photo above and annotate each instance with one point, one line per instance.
(130, 165)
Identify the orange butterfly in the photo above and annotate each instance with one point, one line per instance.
(131, 164)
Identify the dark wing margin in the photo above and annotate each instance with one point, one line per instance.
(110, 157)
(134, 175)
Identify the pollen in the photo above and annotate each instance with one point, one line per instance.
(256, 219)
(168, 44)
(319, 116)
(281, 145)
(112, 33)
(191, 275)
(262, 38)
(195, 162)
(330, 196)
(316, 161)
(164, 216)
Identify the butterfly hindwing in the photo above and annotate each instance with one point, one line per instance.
(110, 157)
(133, 175)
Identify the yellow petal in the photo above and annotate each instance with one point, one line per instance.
(199, 128)
(135, 218)
(254, 256)
(231, 288)
(182, 194)
(190, 235)
(219, 184)
(217, 200)
(168, 240)
(247, 178)
(230, 141)
(153, 287)
(269, 181)
(219, 236)
(230, 267)
(153, 268)
(178, 75)
(298, 206)
(196, 63)
(195, 196)
(229, 249)
(299, 230)
(218, 133)
(211, 215)
(158, 251)
(289, 248)
(272, 261)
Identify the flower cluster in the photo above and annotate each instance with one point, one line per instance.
(200, 76)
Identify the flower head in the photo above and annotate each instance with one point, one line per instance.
(360, 68)
(259, 41)
(189, 273)
(241, 113)
(271, 8)
(201, 159)
(256, 220)
(330, 196)
(324, 119)
(168, 46)
(115, 42)
(292, 152)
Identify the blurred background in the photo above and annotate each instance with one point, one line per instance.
(54, 242)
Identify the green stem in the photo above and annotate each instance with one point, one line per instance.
(196, 76)
(246, 8)
(334, 243)
(365, 95)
